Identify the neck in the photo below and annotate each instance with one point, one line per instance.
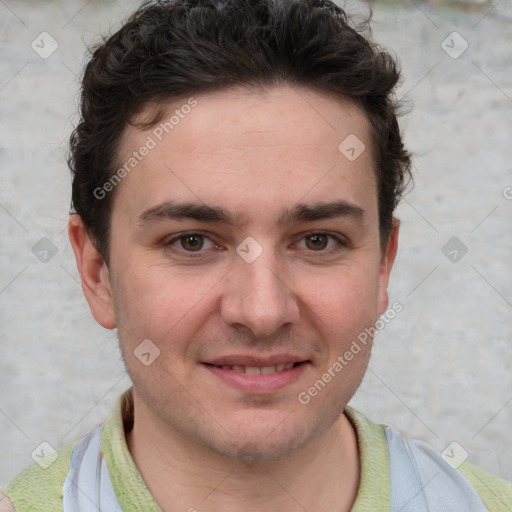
(182, 475)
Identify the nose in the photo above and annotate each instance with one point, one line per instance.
(259, 296)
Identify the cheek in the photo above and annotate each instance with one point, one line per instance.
(157, 301)
(346, 300)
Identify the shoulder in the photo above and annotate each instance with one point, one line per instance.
(418, 477)
(495, 492)
(39, 487)
(461, 485)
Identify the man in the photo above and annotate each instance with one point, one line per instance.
(235, 174)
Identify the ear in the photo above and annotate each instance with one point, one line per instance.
(386, 264)
(93, 273)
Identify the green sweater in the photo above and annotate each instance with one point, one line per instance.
(41, 490)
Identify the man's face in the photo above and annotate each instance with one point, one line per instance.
(271, 284)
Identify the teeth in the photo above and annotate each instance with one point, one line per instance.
(256, 370)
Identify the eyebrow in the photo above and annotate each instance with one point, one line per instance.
(169, 210)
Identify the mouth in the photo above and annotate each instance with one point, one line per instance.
(257, 376)
(257, 370)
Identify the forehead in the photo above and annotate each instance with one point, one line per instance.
(236, 144)
(317, 118)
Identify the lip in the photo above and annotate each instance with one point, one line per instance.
(258, 361)
(263, 383)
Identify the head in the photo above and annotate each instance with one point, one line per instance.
(264, 133)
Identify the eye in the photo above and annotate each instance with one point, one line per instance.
(191, 242)
(318, 242)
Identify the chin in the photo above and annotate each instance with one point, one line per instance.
(261, 441)
(253, 452)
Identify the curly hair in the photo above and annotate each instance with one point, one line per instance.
(173, 48)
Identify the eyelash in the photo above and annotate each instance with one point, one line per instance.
(342, 244)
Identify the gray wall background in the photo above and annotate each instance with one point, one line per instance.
(440, 371)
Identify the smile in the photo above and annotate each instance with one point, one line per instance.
(258, 370)
(258, 379)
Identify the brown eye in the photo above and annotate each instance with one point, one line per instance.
(192, 242)
(317, 241)
(185, 244)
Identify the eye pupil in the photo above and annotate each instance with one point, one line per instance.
(193, 242)
(317, 241)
